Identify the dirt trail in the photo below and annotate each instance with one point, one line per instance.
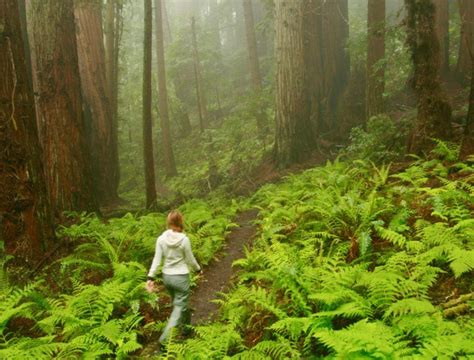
(219, 273)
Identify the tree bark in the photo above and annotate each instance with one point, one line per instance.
(201, 96)
(112, 39)
(170, 166)
(293, 127)
(252, 46)
(442, 32)
(150, 184)
(314, 61)
(336, 58)
(26, 225)
(467, 147)
(375, 53)
(96, 97)
(254, 65)
(62, 127)
(434, 112)
(466, 11)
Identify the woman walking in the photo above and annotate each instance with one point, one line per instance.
(175, 248)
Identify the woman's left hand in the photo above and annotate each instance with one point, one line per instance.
(150, 286)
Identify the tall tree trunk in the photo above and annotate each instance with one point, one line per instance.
(178, 84)
(166, 24)
(314, 61)
(201, 96)
(293, 127)
(109, 46)
(254, 65)
(150, 184)
(117, 39)
(62, 127)
(96, 97)
(336, 58)
(26, 224)
(442, 32)
(170, 166)
(252, 46)
(467, 147)
(214, 27)
(112, 38)
(375, 53)
(434, 112)
(466, 11)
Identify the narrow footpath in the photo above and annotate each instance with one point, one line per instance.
(219, 273)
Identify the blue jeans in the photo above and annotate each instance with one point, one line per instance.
(178, 287)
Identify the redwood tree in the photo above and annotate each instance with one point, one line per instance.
(375, 53)
(92, 69)
(112, 29)
(434, 112)
(25, 218)
(442, 32)
(254, 65)
(170, 166)
(150, 185)
(62, 127)
(467, 147)
(335, 24)
(293, 127)
(313, 52)
(466, 11)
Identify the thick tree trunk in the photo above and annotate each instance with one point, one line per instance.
(314, 61)
(170, 166)
(201, 96)
(336, 58)
(62, 128)
(434, 112)
(26, 225)
(96, 97)
(466, 11)
(293, 126)
(375, 53)
(442, 32)
(150, 184)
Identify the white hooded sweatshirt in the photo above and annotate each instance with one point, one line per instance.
(175, 247)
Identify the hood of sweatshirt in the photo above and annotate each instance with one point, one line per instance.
(173, 238)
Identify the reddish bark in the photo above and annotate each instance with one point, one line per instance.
(25, 218)
(96, 97)
(62, 127)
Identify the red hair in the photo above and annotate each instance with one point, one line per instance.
(175, 220)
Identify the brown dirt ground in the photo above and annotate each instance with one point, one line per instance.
(218, 275)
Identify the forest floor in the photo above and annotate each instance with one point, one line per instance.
(218, 276)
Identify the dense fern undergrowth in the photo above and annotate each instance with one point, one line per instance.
(352, 261)
(98, 311)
